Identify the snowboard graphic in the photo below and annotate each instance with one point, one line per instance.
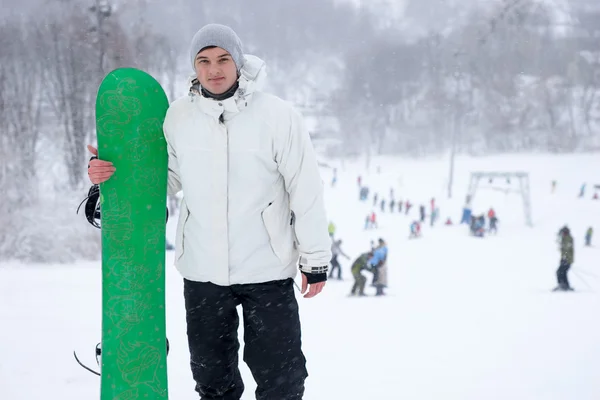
(130, 110)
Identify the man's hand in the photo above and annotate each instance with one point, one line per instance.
(313, 288)
(99, 171)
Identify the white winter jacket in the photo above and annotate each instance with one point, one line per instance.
(252, 195)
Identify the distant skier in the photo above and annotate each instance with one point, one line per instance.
(477, 226)
(360, 264)
(432, 204)
(373, 220)
(375, 198)
(392, 205)
(331, 229)
(359, 181)
(362, 194)
(467, 212)
(400, 203)
(553, 186)
(408, 206)
(382, 205)
(582, 191)
(434, 215)
(566, 260)
(379, 265)
(336, 250)
(493, 224)
(493, 221)
(588, 236)
(415, 230)
(422, 212)
(480, 225)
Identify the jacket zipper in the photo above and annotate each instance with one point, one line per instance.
(222, 123)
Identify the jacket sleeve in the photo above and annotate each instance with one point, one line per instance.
(297, 163)
(174, 181)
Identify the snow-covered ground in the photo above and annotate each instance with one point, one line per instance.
(464, 318)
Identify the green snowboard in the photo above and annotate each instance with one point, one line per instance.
(130, 110)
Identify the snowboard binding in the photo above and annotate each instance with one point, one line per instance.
(92, 206)
(98, 352)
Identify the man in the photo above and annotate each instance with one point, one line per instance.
(588, 236)
(336, 251)
(494, 224)
(408, 207)
(566, 259)
(252, 208)
(434, 215)
(361, 263)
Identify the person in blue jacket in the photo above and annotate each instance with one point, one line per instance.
(378, 263)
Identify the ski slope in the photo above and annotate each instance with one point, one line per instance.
(464, 319)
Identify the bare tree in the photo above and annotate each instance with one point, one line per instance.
(587, 66)
(21, 106)
(154, 53)
(71, 77)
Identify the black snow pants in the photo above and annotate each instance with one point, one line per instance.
(272, 339)
(561, 274)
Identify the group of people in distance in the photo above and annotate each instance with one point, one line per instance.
(373, 261)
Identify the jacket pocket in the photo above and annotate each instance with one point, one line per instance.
(276, 219)
(184, 215)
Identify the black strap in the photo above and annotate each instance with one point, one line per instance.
(92, 158)
(92, 206)
(99, 354)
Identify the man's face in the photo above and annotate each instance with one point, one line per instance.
(215, 70)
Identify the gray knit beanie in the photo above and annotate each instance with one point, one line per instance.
(220, 36)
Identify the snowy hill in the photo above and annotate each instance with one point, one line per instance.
(464, 319)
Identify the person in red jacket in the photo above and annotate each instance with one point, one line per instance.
(373, 220)
(493, 220)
